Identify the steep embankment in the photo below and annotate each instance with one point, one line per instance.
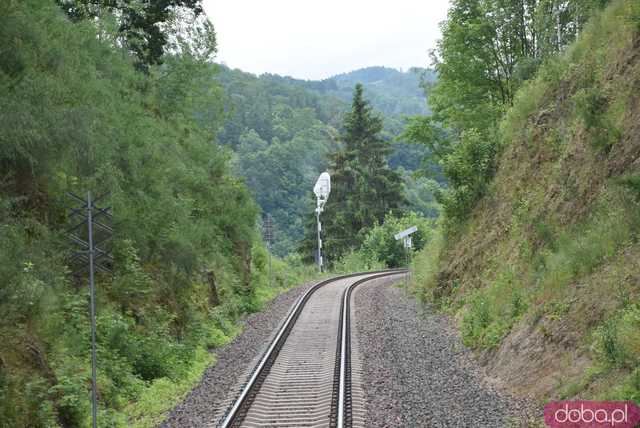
(544, 278)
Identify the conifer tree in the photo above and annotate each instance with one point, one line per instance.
(364, 188)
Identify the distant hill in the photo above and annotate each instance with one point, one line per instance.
(392, 92)
(281, 130)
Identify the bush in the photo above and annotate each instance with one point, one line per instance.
(468, 168)
(356, 261)
(89, 120)
(380, 245)
(617, 340)
(591, 106)
(492, 311)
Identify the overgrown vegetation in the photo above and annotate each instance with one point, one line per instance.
(77, 115)
(541, 223)
(489, 48)
(380, 250)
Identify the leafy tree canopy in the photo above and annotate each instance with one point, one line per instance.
(140, 24)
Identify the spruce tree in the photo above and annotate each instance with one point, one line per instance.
(363, 187)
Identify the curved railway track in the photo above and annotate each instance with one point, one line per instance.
(305, 378)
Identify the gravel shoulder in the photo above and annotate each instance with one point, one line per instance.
(417, 372)
(203, 404)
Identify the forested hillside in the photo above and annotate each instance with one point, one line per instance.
(282, 130)
(393, 93)
(81, 110)
(280, 135)
(536, 253)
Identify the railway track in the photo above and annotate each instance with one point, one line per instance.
(309, 374)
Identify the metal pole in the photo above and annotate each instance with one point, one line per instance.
(406, 276)
(92, 293)
(270, 276)
(319, 241)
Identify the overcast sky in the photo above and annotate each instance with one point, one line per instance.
(317, 39)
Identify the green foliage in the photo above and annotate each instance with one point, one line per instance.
(140, 24)
(468, 165)
(89, 120)
(617, 341)
(422, 193)
(281, 135)
(363, 187)
(281, 173)
(283, 129)
(380, 244)
(357, 261)
(468, 168)
(492, 311)
(392, 92)
(489, 48)
(591, 107)
(162, 394)
(554, 240)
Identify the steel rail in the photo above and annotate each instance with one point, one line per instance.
(345, 361)
(234, 415)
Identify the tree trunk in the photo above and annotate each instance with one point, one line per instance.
(214, 299)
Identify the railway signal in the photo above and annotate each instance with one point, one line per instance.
(321, 189)
(405, 235)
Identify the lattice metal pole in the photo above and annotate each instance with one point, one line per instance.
(91, 256)
(92, 292)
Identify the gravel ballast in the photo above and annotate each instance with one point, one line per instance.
(417, 373)
(202, 405)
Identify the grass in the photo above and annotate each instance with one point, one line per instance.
(617, 340)
(156, 398)
(163, 394)
(425, 266)
(492, 312)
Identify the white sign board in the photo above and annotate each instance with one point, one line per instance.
(323, 186)
(406, 232)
